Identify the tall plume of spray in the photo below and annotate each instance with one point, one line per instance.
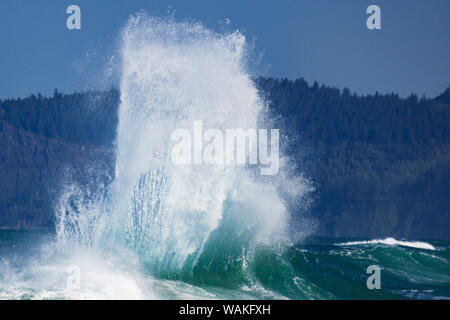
(172, 74)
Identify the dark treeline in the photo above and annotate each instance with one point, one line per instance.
(46, 140)
(380, 164)
(330, 116)
(82, 118)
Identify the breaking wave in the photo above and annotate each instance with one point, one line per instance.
(392, 242)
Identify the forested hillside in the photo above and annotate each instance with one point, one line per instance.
(44, 141)
(380, 164)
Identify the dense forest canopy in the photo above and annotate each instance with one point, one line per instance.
(82, 118)
(380, 164)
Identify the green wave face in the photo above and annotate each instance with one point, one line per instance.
(227, 268)
(319, 269)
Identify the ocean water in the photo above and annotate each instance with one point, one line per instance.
(161, 230)
(31, 267)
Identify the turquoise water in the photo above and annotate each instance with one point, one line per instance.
(32, 267)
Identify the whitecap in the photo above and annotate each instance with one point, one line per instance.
(391, 242)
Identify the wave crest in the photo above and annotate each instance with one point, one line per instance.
(391, 242)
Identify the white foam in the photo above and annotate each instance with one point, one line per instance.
(391, 242)
(173, 74)
(48, 277)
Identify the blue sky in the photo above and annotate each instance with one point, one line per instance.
(320, 40)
